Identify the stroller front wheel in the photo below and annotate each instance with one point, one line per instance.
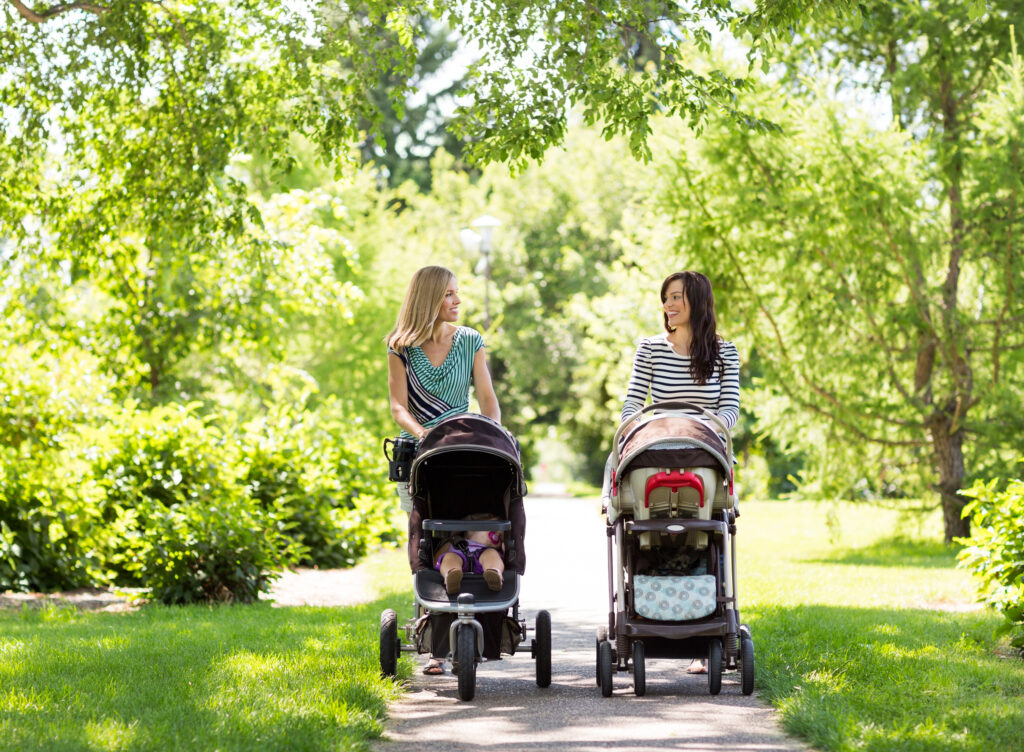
(715, 666)
(465, 654)
(639, 670)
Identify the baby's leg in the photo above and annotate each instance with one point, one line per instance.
(493, 566)
(450, 567)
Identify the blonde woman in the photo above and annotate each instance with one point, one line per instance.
(431, 363)
(432, 360)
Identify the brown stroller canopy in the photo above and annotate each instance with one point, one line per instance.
(466, 464)
(670, 441)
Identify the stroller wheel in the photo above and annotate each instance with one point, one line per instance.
(746, 660)
(389, 643)
(639, 670)
(465, 654)
(542, 645)
(604, 667)
(599, 637)
(715, 666)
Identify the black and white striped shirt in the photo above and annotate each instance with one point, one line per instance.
(663, 373)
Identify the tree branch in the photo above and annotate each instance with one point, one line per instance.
(821, 391)
(42, 16)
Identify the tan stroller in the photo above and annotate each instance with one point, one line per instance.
(671, 522)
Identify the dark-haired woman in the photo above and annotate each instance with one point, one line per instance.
(689, 362)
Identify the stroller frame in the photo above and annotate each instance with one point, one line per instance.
(464, 459)
(629, 638)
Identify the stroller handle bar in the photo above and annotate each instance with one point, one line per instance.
(676, 408)
(468, 525)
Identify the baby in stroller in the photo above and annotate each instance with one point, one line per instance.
(476, 551)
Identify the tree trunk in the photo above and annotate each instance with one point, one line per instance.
(949, 456)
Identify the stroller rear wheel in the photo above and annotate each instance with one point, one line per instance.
(599, 637)
(639, 670)
(604, 667)
(715, 666)
(542, 649)
(465, 655)
(389, 645)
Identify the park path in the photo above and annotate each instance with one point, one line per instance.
(567, 575)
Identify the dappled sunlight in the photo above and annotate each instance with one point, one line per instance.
(110, 734)
(827, 660)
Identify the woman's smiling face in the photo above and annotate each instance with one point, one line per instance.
(675, 305)
(450, 305)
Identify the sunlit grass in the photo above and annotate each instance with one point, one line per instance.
(198, 678)
(866, 635)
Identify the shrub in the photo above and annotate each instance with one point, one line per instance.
(325, 477)
(197, 551)
(196, 535)
(52, 536)
(994, 553)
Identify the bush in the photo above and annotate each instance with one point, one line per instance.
(325, 478)
(195, 535)
(199, 551)
(994, 553)
(191, 506)
(52, 536)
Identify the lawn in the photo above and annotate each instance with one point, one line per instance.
(866, 634)
(197, 678)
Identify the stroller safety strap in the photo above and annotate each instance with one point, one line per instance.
(674, 480)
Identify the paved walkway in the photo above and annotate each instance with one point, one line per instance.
(509, 711)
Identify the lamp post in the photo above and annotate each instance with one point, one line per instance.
(482, 240)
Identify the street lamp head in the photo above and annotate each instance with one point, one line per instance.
(470, 240)
(486, 225)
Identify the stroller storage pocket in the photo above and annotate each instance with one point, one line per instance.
(674, 598)
(400, 458)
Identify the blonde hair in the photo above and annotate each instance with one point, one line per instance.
(420, 308)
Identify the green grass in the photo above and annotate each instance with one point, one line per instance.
(866, 642)
(198, 678)
(870, 642)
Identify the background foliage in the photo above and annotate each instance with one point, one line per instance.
(198, 273)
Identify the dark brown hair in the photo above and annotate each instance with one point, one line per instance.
(705, 357)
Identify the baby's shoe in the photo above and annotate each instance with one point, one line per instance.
(453, 581)
(493, 579)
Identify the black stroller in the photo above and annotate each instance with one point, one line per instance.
(466, 465)
(671, 548)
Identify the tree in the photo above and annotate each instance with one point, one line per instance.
(878, 272)
(410, 133)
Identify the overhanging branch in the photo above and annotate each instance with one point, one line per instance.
(42, 16)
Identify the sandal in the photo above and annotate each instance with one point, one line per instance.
(434, 667)
(697, 667)
(453, 581)
(494, 579)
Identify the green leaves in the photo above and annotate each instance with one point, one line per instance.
(994, 554)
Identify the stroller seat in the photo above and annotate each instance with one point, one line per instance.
(467, 476)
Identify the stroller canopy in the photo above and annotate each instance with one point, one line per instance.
(467, 464)
(673, 441)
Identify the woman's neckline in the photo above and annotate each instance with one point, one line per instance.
(451, 349)
(673, 348)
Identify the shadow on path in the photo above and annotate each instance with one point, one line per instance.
(567, 575)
